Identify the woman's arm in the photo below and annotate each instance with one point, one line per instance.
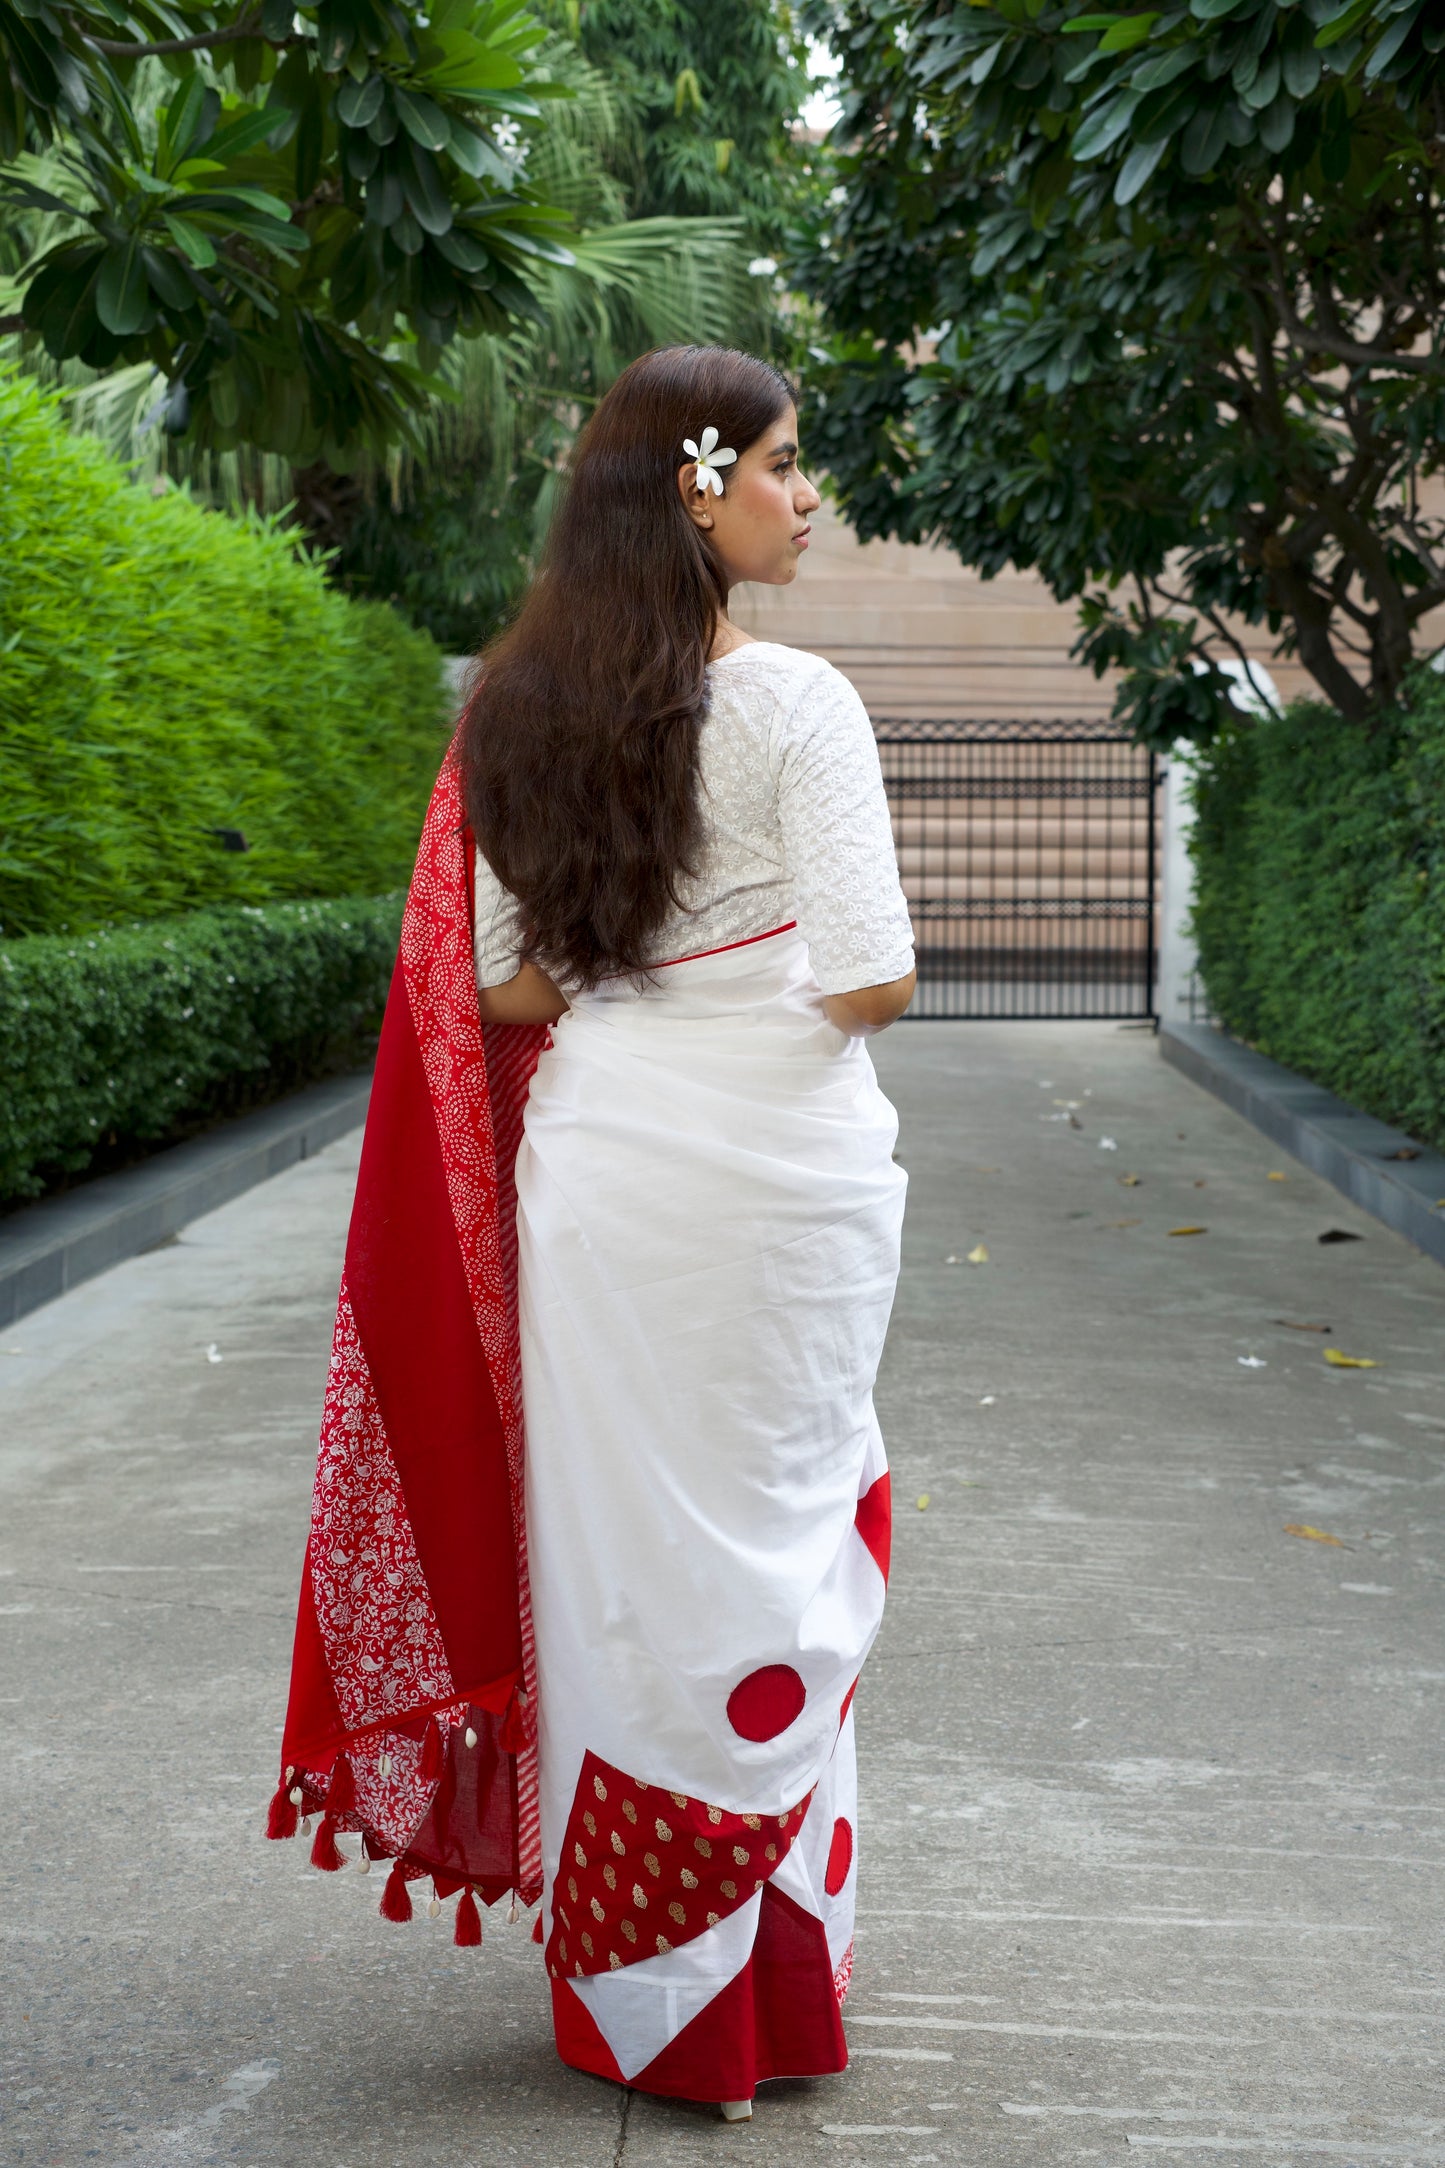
(529, 998)
(870, 1008)
(838, 839)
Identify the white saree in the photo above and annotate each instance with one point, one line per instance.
(708, 1220)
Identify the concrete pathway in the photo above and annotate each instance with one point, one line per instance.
(1153, 1818)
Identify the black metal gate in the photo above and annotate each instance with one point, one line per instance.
(1029, 854)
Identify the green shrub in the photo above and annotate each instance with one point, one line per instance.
(1320, 911)
(116, 1040)
(166, 672)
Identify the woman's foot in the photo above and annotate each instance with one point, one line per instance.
(736, 2111)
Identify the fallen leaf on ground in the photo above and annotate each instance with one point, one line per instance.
(213, 1354)
(1406, 1151)
(1339, 1234)
(1312, 1535)
(1200, 1185)
(1341, 1361)
(1131, 1181)
(978, 1255)
(1290, 1325)
(1276, 1178)
(1251, 1362)
(988, 1400)
(950, 1260)
(1189, 1230)
(1074, 1122)
(923, 1502)
(1107, 1144)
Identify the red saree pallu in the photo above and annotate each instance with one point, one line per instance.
(410, 1713)
(615, 1670)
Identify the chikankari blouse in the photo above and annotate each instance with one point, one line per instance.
(796, 825)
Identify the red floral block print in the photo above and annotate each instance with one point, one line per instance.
(644, 1869)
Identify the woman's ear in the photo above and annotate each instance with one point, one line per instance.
(693, 498)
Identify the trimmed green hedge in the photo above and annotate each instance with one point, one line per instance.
(1320, 910)
(115, 1041)
(167, 671)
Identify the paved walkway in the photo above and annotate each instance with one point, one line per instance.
(1153, 1814)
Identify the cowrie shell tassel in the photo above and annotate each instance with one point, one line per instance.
(471, 1737)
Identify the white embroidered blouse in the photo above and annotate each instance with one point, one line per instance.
(797, 830)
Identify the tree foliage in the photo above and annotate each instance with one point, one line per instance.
(711, 93)
(326, 198)
(666, 216)
(1152, 299)
(454, 531)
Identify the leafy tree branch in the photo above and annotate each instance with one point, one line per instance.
(327, 198)
(1152, 299)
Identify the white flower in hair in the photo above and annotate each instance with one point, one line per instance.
(709, 460)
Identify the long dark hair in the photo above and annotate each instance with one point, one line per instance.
(579, 743)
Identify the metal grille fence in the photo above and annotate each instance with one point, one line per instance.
(1028, 853)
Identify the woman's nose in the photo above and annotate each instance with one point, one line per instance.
(807, 498)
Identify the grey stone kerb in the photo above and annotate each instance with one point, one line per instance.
(51, 1246)
(1359, 1154)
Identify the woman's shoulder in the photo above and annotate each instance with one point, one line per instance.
(788, 675)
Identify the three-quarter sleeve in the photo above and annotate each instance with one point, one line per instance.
(838, 838)
(497, 941)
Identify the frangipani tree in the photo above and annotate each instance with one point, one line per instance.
(1153, 299)
(328, 197)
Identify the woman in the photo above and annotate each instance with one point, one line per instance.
(684, 870)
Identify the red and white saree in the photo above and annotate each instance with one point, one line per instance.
(614, 1671)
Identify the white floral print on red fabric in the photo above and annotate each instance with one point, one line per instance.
(440, 972)
(373, 1607)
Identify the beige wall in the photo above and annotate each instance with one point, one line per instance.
(920, 635)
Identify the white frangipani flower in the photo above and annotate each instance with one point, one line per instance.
(709, 460)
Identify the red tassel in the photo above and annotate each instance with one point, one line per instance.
(514, 1723)
(433, 1754)
(396, 1898)
(537, 1929)
(281, 1814)
(341, 1792)
(325, 1852)
(468, 1930)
